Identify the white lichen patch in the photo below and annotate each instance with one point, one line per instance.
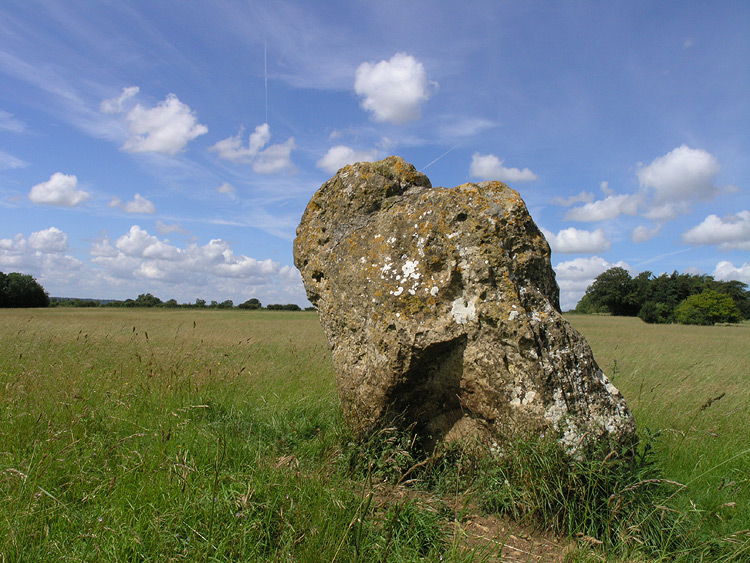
(519, 398)
(410, 269)
(434, 290)
(557, 410)
(386, 268)
(463, 311)
(606, 382)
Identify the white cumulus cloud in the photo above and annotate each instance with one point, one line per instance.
(138, 254)
(275, 158)
(574, 276)
(732, 231)
(231, 148)
(608, 208)
(669, 185)
(339, 156)
(490, 167)
(682, 174)
(49, 240)
(166, 128)
(576, 241)
(727, 271)
(60, 189)
(137, 241)
(393, 90)
(138, 204)
(43, 254)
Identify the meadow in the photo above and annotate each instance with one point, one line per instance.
(156, 435)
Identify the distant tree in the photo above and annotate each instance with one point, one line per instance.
(147, 300)
(738, 291)
(250, 304)
(228, 304)
(21, 290)
(708, 308)
(172, 303)
(615, 290)
(652, 312)
(586, 306)
(287, 307)
(200, 302)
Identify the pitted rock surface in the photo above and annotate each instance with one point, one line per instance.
(441, 309)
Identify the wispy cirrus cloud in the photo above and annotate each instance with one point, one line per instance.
(10, 162)
(9, 123)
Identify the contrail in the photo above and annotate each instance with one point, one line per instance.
(662, 256)
(265, 72)
(438, 158)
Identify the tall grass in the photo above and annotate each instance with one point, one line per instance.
(688, 387)
(216, 436)
(182, 436)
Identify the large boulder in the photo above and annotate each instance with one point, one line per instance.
(442, 311)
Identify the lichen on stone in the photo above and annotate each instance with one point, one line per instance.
(441, 307)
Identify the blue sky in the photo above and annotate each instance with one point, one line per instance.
(171, 147)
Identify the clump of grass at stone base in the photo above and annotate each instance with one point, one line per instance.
(618, 503)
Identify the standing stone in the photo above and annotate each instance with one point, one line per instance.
(440, 306)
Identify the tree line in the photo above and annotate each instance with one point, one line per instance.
(668, 298)
(149, 300)
(22, 290)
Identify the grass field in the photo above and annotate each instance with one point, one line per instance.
(691, 384)
(153, 435)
